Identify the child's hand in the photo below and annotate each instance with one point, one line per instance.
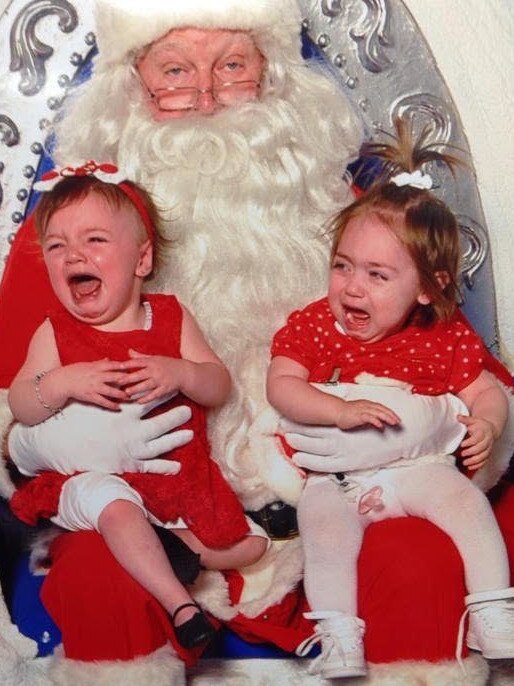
(96, 382)
(357, 413)
(477, 446)
(152, 376)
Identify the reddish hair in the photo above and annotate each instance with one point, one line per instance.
(423, 223)
(72, 189)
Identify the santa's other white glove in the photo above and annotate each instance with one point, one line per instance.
(428, 426)
(86, 437)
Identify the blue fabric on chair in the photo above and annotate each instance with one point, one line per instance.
(231, 646)
(32, 620)
(29, 614)
(27, 610)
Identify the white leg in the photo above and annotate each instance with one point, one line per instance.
(331, 533)
(441, 494)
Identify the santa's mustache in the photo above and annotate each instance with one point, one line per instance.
(219, 145)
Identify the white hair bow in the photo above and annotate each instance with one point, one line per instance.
(415, 179)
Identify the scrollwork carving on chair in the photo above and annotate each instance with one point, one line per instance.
(29, 53)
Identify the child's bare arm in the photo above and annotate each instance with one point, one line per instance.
(43, 385)
(200, 374)
(294, 397)
(488, 408)
(42, 356)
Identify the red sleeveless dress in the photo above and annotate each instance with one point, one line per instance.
(199, 493)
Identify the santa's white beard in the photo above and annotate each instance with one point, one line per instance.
(245, 202)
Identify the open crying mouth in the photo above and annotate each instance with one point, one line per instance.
(83, 285)
(353, 313)
(355, 316)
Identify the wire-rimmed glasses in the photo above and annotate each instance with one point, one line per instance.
(182, 98)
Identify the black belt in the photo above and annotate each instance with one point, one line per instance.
(278, 520)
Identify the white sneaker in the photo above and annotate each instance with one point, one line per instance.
(491, 623)
(342, 648)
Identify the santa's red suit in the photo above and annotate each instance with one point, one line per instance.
(260, 254)
(411, 576)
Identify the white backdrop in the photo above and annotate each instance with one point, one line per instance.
(473, 44)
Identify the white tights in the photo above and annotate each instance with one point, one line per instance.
(332, 528)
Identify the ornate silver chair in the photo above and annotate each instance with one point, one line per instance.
(372, 48)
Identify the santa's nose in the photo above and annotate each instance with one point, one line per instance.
(206, 102)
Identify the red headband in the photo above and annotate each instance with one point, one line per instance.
(107, 173)
(133, 195)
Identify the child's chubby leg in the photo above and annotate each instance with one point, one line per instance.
(243, 553)
(440, 493)
(443, 495)
(106, 503)
(331, 530)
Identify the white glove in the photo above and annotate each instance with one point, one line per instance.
(89, 438)
(428, 427)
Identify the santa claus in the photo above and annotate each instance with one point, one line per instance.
(210, 106)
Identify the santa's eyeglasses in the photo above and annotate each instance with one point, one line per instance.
(178, 98)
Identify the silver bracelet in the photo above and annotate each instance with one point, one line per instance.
(37, 389)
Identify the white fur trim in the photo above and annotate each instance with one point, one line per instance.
(277, 471)
(210, 590)
(502, 673)
(272, 577)
(290, 671)
(17, 666)
(265, 583)
(123, 26)
(6, 485)
(161, 668)
(40, 549)
(489, 475)
(23, 671)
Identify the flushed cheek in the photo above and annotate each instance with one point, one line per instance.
(340, 288)
(336, 309)
(56, 275)
(335, 291)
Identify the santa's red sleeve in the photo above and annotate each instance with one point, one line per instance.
(25, 298)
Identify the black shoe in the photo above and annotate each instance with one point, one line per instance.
(196, 631)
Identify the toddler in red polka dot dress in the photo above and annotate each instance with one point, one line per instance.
(391, 312)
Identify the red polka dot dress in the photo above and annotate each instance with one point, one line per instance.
(444, 357)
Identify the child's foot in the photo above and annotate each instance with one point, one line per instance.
(196, 630)
(342, 648)
(491, 628)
